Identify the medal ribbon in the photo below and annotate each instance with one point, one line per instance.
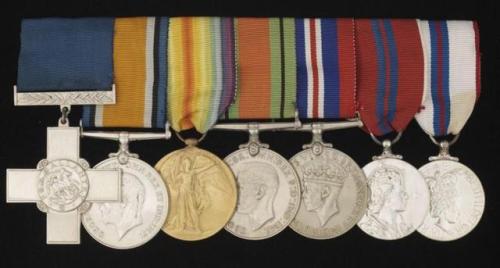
(452, 75)
(140, 72)
(390, 71)
(326, 69)
(180, 67)
(265, 49)
(202, 71)
(60, 54)
(289, 63)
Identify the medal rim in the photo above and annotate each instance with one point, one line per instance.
(358, 218)
(476, 178)
(227, 170)
(164, 215)
(296, 208)
(426, 187)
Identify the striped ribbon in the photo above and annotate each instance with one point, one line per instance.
(452, 75)
(202, 71)
(288, 63)
(140, 74)
(390, 73)
(180, 68)
(266, 64)
(326, 71)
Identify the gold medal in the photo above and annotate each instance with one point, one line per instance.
(202, 191)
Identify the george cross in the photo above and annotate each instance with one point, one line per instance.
(62, 185)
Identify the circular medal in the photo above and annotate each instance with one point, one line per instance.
(334, 193)
(269, 194)
(140, 214)
(399, 199)
(457, 200)
(202, 192)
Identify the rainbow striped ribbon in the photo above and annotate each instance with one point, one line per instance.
(202, 71)
(452, 75)
(390, 73)
(180, 68)
(289, 63)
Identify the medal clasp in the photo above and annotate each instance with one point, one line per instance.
(317, 144)
(444, 153)
(387, 147)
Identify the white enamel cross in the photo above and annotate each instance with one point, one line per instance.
(62, 185)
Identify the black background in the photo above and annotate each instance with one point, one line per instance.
(22, 136)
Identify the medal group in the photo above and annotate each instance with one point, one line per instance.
(252, 75)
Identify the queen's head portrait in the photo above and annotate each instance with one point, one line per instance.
(127, 214)
(258, 185)
(388, 201)
(444, 209)
(321, 186)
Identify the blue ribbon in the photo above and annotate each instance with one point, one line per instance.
(66, 54)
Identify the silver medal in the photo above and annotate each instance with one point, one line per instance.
(399, 198)
(268, 191)
(268, 196)
(457, 198)
(141, 213)
(143, 208)
(334, 190)
(63, 185)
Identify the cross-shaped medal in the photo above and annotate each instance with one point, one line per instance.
(62, 185)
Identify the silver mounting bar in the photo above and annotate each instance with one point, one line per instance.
(325, 126)
(124, 137)
(254, 125)
(253, 145)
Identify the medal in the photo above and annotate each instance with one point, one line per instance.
(140, 71)
(334, 191)
(457, 197)
(269, 189)
(202, 189)
(63, 185)
(143, 208)
(399, 197)
(201, 85)
(389, 95)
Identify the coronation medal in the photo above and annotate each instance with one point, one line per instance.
(143, 208)
(457, 196)
(399, 196)
(63, 185)
(389, 95)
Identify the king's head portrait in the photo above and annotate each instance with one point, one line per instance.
(258, 185)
